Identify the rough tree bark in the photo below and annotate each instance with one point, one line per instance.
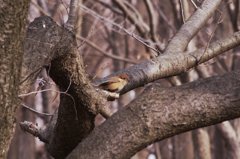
(163, 112)
(55, 49)
(156, 114)
(13, 17)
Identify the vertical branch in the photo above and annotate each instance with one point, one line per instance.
(185, 10)
(72, 14)
(182, 11)
(175, 10)
(153, 18)
(230, 137)
(237, 4)
(201, 144)
(79, 19)
(141, 26)
(233, 14)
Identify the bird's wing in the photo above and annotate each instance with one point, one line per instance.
(109, 81)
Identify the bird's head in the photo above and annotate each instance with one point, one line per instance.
(124, 76)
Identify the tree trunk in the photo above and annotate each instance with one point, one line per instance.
(13, 16)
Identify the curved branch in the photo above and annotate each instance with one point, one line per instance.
(173, 64)
(163, 112)
(55, 47)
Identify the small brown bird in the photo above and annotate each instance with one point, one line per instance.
(115, 83)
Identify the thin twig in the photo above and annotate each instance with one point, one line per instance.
(40, 8)
(164, 17)
(27, 77)
(133, 16)
(211, 36)
(153, 21)
(66, 8)
(104, 53)
(182, 11)
(61, 92)
(153, 18)
(109, 6)
(234, 17)
(194, 4)
(237, 5)
(45, 90)
(35, 92)
(35, 111)
(139, 39)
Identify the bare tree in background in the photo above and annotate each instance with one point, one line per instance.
(175, 80)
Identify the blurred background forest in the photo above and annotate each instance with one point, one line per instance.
(110, 36)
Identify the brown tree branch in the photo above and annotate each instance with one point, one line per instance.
(145, 42)
(192, 26)
(233, 14)
(185, 9)
(173, 64)
(40, 8)
(163, 112)
(164, 17)
(34, 130)
(115, 57)
(111, 7)
(55, 47)
(230, 137)
(153, 18)
(201, 144)
(72, 16)
(76, 112)
(134, 17)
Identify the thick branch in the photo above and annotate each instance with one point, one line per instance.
(173, 64)
(163, 112)
(55, 47)
(192, 26)
(173, 61)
